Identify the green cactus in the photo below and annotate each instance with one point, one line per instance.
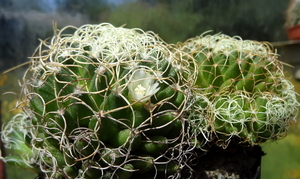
(111, 102)
(240, 90)
(104, 92)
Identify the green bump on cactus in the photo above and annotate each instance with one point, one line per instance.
(162, 124)
(155, 146)
(126, 138)
(168, 168)
(19, 162)
(90, 169)
(136, 116)
(176, 130)
(104, 127)
(248, 95)
(125, 172)
(71, 171)
(143, 164)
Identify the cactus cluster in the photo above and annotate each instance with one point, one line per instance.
(111, 102)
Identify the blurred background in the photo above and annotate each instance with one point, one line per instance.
(23, 23)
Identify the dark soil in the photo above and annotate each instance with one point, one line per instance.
(234, 162)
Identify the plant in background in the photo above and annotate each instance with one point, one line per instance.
(240, 91)
(293, 20)
(111, 102)
(293, 14)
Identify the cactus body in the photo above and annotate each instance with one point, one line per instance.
(241, 90)
(99, 95)
(111, 102)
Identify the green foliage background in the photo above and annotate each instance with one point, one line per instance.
(173, 20)
(178, 20)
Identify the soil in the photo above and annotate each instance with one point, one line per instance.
(234, 162)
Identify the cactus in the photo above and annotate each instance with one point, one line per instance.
(112, 102)
(240, 90)
(103, 102)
